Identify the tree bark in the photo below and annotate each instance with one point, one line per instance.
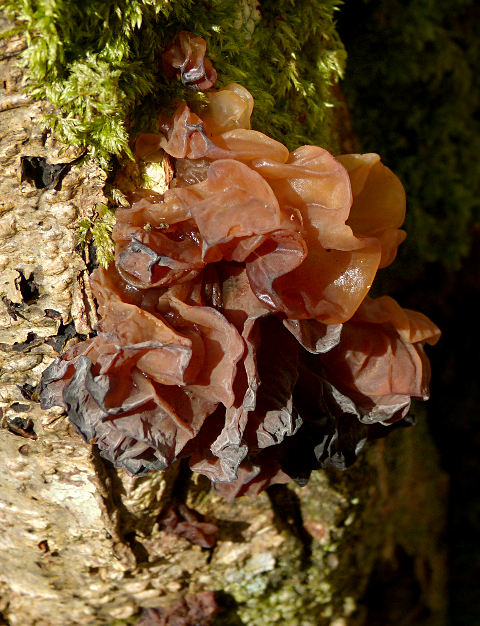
(81, 542)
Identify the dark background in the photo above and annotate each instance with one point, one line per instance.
(413, 92)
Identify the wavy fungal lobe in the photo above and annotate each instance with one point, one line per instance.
(236, 327)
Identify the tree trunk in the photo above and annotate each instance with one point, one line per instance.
(82, 543)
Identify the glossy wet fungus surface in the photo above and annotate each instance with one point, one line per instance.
(236, 327)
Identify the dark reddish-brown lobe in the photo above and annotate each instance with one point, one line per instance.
(186, 55)
(380, 363)
(142, 388)
(254, 475)
(184, 522)
(262, 414)
(158, 243)
(192, 610)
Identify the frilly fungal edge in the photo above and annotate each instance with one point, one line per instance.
(236, 328)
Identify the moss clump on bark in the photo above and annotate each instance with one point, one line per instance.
(413, 90)
(98, 63)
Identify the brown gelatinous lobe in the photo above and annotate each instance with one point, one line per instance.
(185, 55)
(142, 388)
(227, 109)
(186, 523)
(191, 610)
(339, 266)
(236, 328)
(379, 202)
(186, 135)
(380, 363)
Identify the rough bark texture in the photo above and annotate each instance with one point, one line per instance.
(81, 543)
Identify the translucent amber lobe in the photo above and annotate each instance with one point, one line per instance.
(234, 210)
(339, 268)
(379, 202)
(186, 137)
(227, 109)
(236, 329)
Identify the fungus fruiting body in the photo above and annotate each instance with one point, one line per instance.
(236, 326)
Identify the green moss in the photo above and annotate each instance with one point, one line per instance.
(413, 89)
(98, 63)
(99, 230)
